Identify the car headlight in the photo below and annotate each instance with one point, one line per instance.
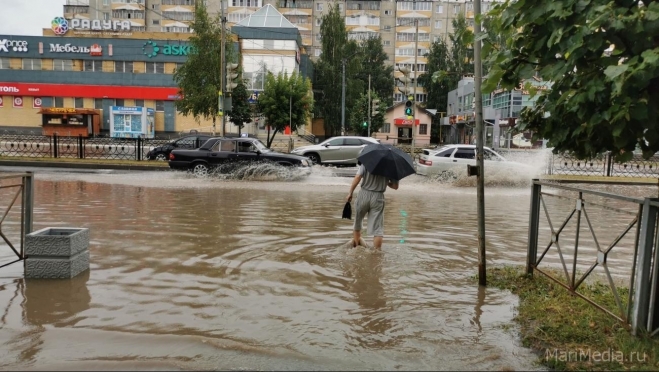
(305, 163)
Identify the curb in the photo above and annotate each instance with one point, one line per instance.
(47, 164)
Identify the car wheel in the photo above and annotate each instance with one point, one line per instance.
(315, 159)
(200, 170)
(161, 156)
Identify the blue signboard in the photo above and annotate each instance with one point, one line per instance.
(131, 122)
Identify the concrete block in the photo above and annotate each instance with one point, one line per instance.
(57, 242)
(56, 267)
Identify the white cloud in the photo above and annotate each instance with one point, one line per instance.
(28, 17)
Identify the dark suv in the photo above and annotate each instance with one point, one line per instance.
(191, 142)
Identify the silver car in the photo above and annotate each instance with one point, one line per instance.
(336, 150)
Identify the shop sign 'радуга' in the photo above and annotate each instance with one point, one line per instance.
(61, 25)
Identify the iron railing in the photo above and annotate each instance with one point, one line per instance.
(603, 165)
(13, 186)
(635, 306)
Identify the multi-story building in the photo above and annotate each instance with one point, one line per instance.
(394, 21)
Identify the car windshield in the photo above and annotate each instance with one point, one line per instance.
(260, 146)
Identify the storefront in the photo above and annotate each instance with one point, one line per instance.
(131, 122)
(70, 122)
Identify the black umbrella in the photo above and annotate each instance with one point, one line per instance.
(386, 160)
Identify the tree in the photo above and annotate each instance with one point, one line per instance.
(462, 48)
(373, 62)
(438, 61)
(241, 110)
(328, 70)
(359, 115)
(602, 58)
(285, 100)
(199, 79)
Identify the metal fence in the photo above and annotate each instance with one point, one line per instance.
(17, 191)
(603, 165)
(37, 146)
(626, 248)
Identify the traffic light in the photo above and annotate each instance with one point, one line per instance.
(374, 107)
(408, 108)
(365, 124)
(232, 75)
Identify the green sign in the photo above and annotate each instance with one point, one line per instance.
(152, 49)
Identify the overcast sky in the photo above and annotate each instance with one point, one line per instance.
(28, 17)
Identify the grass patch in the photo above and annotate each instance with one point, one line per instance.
(146, 163)
(568, 333)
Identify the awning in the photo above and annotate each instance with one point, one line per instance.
(67, 110)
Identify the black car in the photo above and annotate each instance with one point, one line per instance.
(224, 151)
(192, 141)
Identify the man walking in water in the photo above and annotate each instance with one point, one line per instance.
(370, 200)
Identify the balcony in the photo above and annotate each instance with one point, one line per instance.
(297, 4)
(71, 11)
(77, 2)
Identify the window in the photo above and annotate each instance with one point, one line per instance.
(319, 7)
(139, 103)
(78, 102)
(63, 65)
(317, 52)
(438, 24)
(246, 147)
(352, 142)
(445, 153)
(98, 103)
(229, 146)
(440, 9)
(123, 66)
(4, 63)
(340, 7)
(386, 128)
(456, 9)
(90, 65)
(317, 37)
(106, 16)
(423, 128)
(59, 101)
(386, 42)
(155, 22)
(465, 154)
(335, 142)
(387, 12)
(160, 105)
(489, 155)
(155, 67)
(318, 22)
(31, 64)
(118, 102)
(106, 2)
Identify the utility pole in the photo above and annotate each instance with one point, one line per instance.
(222, 65)
(368, 107)
(480, 181)
(416, 76)
(343, 99)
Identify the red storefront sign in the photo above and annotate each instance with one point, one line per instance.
(406, 121)
(88, 91)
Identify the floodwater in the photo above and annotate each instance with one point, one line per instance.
(239, 274)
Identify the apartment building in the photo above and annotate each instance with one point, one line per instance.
(394, 21)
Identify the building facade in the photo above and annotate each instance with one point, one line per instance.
(501, 109)
(394, 21)
(90, 73)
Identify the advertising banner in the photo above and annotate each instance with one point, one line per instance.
(131, 122)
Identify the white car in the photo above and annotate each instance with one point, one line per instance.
(453, 159)
(336, 150)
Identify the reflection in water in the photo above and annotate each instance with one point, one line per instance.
(224, 274)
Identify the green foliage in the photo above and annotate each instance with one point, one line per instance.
(462, 48)
(199, 79)
(600, 100)
(285, 99)
(241, 111)
(437, 89)
(328, 71)
(373, 62)
(359, 115)
(553, 319)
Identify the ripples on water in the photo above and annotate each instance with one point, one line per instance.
(225, 274)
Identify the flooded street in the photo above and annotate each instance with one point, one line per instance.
(230, 274)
